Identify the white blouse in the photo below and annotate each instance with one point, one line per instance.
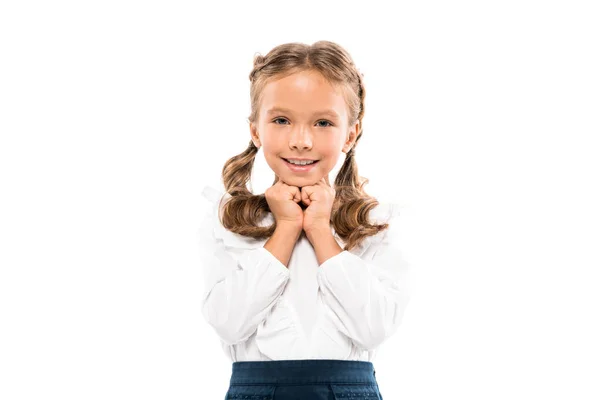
(262, 310)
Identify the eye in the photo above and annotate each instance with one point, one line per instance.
(279, 119)
(327, 122)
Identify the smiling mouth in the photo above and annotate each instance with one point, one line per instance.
(300, 165)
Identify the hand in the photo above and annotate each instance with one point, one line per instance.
(319, 199)
(283, 202)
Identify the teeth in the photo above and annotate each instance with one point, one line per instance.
(300, 162)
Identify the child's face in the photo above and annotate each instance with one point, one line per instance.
(301, 127)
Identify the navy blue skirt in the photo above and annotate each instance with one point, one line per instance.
(309, 379)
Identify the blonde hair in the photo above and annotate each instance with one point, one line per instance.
(351, 207)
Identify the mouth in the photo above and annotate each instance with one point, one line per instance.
(289, 162)
(298, 167)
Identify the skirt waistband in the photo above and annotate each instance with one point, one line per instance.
(302, 372)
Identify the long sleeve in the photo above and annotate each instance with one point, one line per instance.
(367, 295)
(240, 285)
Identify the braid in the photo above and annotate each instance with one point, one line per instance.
(361, 96)
(259, 63)
(237, 170)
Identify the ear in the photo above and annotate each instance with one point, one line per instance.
(254, 134)
(351, 137)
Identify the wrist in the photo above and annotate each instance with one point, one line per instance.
(289, 227)
(318, 231)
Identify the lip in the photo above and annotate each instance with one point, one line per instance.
(299, 168)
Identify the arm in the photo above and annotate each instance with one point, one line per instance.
(367, 295)
(282, 243)
(240, 294)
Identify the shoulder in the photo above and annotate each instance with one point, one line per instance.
(216, 196)
(385, 212)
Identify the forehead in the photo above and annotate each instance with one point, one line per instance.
(306, 92)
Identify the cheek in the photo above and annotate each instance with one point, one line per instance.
(270, 148)
(327, 164)
(272, 157)
(330, 149)
(273, 141)
(272, 153)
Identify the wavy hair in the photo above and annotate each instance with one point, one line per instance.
(351, 207)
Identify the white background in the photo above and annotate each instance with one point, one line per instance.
(482, 117)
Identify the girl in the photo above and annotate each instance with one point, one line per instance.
(304, 282)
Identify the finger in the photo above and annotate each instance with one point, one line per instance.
(305, 196)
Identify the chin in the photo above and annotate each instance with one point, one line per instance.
(300, 181)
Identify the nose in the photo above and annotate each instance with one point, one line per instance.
(300, 138)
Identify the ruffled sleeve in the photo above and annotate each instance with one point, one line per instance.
(367, 290)
(242, 279)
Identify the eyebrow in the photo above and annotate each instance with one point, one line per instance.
(275, 110)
